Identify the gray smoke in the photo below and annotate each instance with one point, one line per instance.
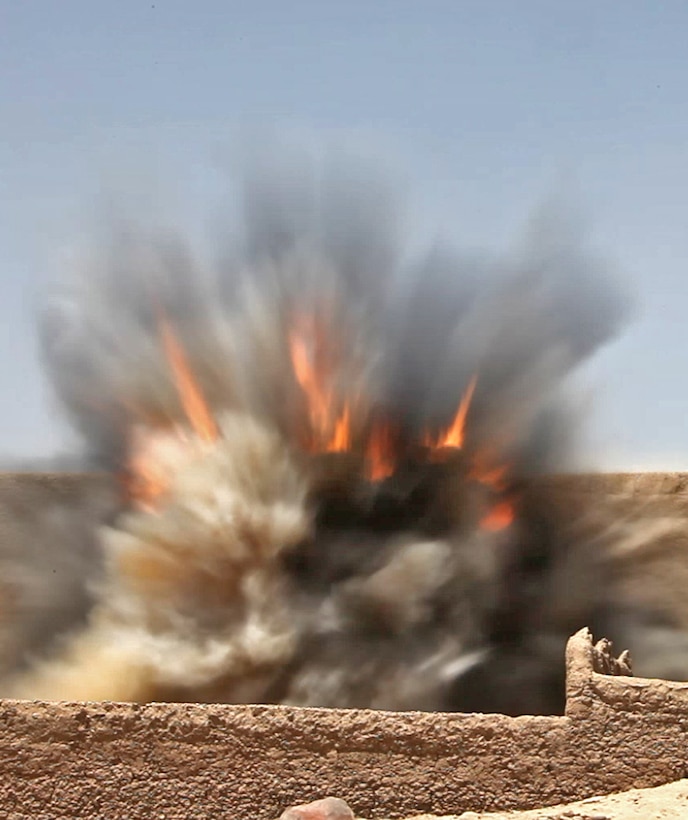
(270, 573)
(49, 556)
(329, 237)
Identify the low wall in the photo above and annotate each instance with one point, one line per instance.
(109, 760)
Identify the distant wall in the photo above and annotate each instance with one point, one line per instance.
(22, 494)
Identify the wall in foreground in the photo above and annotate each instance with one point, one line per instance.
(106, 760)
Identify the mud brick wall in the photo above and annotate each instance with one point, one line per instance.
(178, 762)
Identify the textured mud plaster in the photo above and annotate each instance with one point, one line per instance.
(109, 760)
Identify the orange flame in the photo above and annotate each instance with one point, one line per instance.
(499, 517)
(155, 452)
(194, 405)
(153, 456)
(455, 434)
(341, 437)
(330, 432)
(495, 477)
(380, 453)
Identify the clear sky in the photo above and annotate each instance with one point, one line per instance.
(486, 104)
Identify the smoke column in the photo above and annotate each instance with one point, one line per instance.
(255, 579)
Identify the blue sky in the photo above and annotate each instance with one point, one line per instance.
(485, 105)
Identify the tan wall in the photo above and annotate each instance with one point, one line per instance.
(106, 760)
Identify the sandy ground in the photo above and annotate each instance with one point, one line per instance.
(662, 803)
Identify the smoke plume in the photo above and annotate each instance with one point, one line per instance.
(305, 527)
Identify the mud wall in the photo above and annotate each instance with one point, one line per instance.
(106, 760)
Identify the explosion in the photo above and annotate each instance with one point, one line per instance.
(323, 448)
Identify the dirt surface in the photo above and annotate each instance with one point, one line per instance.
(662, 803)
